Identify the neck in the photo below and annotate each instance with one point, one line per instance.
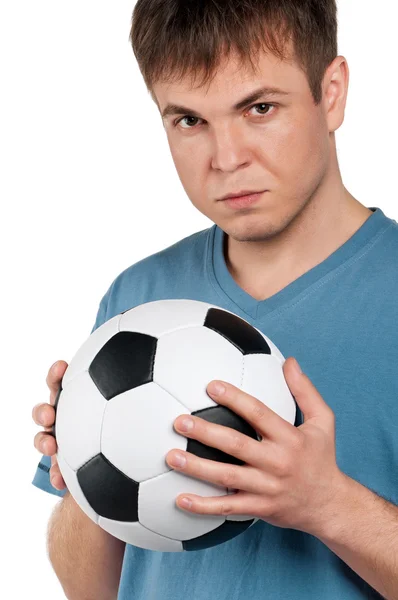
(262, 268)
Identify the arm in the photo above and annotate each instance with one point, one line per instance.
(86, 559)
(363, 532)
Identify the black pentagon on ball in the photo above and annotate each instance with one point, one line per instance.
(221, 415)
(237, 331)
(109, 492)
(223, 533)
(123, 363)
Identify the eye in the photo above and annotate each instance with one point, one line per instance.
(197, 118)
(262, 104)
(183, 119)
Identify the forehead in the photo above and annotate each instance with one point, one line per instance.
(233, 80)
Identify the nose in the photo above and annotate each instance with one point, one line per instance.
(229, 149)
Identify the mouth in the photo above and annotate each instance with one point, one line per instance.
(243, 201)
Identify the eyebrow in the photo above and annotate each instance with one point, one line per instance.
(175, 109)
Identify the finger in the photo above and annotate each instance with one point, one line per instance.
(54, 378)
(253, 452)
(262, 418)
(56, 478)
(45, 443)
(43, 414)
(241, 503)
(244, 477)
(308, 398)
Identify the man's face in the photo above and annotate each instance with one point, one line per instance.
(284, 148)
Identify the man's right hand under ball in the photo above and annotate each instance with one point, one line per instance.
(44, 414)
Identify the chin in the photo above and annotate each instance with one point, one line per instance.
(252, 229)
(259, 226)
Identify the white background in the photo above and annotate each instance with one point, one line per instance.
(88, 187)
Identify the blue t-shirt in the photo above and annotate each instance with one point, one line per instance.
(339, 319)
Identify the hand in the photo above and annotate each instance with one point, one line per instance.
(290, 477)
(44, 414)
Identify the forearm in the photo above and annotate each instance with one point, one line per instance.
(362, 530)
(86, 559)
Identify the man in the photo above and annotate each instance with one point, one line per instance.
(308, 264)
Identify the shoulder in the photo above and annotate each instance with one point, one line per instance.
(171, 258)
(386, 247)
(151, 276)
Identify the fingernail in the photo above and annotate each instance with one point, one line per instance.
(178, 460)
(216, 388)
(297, 367)
(53, 368)
(186, 424)
(185, 503)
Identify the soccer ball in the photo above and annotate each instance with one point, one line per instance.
(119, 398)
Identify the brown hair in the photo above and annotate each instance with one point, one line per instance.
(172, 39)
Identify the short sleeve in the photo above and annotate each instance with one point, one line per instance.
(101, 314)
(41, 479)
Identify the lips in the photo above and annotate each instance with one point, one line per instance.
(241, 194)
(243, 201)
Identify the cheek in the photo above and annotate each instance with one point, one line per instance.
(189, 165)
(299, 155)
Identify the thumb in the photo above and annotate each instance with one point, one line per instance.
(309, 400)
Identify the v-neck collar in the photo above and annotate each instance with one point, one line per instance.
(223, 280)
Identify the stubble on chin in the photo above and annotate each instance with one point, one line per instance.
(255, 230)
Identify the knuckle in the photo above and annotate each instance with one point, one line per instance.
(40, 442)
(238, 443)
(297, 440)
(258, 412)
(35, 413)
(282, 463)
(47, 444)
(273, 487)
(228, 477)
(267, 509)
(36, 440)
(50, 379)
(45, 415)
(53, 379)
(225, 508)
(50, 414)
